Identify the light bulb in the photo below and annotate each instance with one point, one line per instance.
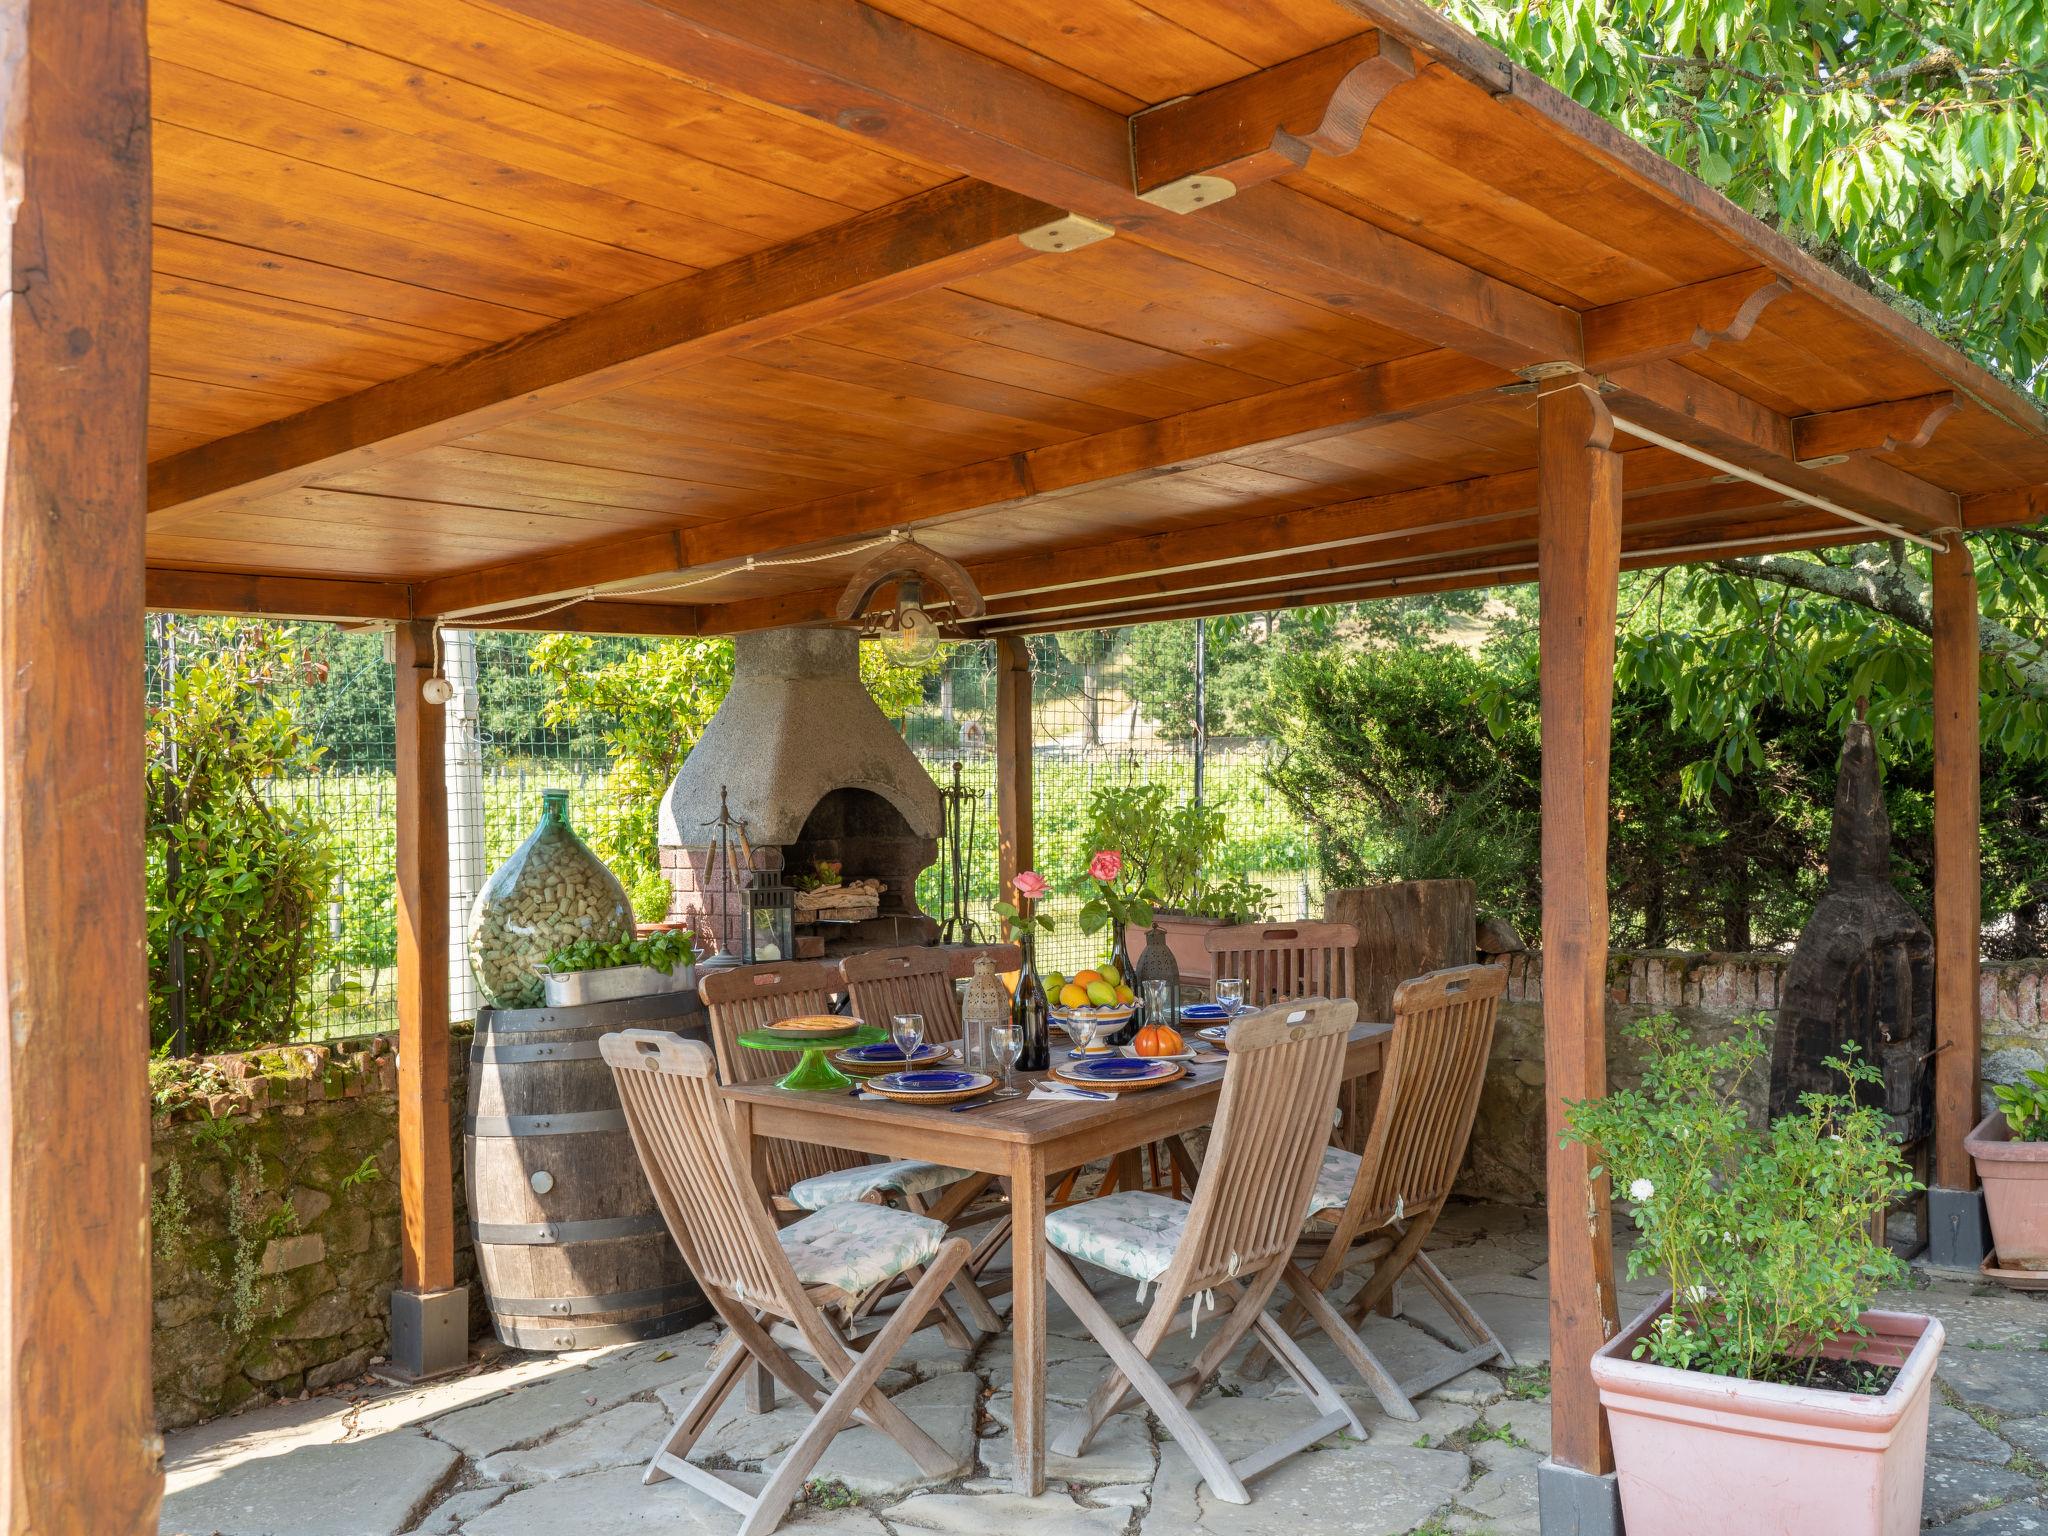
(912, 640)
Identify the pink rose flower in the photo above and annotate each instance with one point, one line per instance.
(1106, 865)
(1030, 884)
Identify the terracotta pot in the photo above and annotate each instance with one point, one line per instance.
(1187, 938)
(2015, 1177)
(1702, 1455)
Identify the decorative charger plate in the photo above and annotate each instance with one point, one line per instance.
(1120, 1074)
(944, 1086)
(813, 1026)
(885, 1056)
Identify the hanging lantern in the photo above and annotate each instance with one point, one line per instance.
(909, 632)
(771, 921)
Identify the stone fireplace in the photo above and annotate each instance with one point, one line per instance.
(815, 772)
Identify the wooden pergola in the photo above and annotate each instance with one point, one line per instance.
(583, 313)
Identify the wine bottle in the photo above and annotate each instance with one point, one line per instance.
(1120, 958)
(1029, 1013)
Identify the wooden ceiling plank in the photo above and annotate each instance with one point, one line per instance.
(276, 597)
(867, 260)
(1402, 387)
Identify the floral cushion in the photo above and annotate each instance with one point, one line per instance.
(907, 1177)
(1333, 1181)
(858, 1246)
(1131, 1233)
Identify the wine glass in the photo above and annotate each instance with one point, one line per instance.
(1004, 1041)
(907, 1030)
(1082, 1028)
(1230, 994)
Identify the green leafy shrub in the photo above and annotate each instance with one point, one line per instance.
(1765, 1235)
(1174, 854)
(661, 951)
(241, 876)
(2025, 1104)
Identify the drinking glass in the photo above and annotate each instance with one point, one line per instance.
(1004, 1040)
(907, 1030)
(1230, 994)
(1081, 1028)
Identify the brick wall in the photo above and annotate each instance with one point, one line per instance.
(1708, 992)
(275, 1223)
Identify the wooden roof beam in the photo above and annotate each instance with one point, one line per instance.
(1510, 565)
(1385, 392)
(950, 232)
(1890, 426)
(872, 74)
(276, 597)
(1688, 406)
(1268, 124)
(1679, 320)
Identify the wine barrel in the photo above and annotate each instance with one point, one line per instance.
(571, 1248)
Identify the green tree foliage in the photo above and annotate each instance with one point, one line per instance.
(1088, 649)
(1908, 137)
(649, 701)
(251, 873)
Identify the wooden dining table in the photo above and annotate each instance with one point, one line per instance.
(1023, 1142)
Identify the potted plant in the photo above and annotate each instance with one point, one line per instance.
(588, 971)
(1166, 851)
(1761, 1395)
(2011, 1149)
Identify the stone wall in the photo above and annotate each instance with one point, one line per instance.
(275, 1222)
(1708, 993)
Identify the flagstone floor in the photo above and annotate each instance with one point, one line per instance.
(532, 1445)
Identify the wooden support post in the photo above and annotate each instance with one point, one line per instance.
(1958, 895)
(1579, 550)
(429, 1312)
(79, 1449)
(1013, 760)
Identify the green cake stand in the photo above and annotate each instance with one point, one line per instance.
(815, 1073)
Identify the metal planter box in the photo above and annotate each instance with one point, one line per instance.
(574, 989)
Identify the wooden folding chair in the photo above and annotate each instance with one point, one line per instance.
(1286, 960)
(1380, 1207)
(1237, 1237)
(755, 1275)
(805, 1177)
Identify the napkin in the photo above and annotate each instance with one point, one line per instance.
(1056, 1091)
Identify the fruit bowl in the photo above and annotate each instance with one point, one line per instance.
(1108, 1013)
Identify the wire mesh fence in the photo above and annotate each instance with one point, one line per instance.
(1105, 712)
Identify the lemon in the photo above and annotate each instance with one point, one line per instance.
(1073, 996)
(1126, 995)
(1101, 993)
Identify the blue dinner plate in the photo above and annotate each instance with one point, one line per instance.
(932, 1082)
(1117, 1069)
(888, 1050)
(1204, 1013)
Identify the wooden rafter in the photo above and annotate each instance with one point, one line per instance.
(1672, 400)
(1887, 427)
(1269, 123)
(1386, 392)
(1679, 320)
(279, 597)
(948, 233)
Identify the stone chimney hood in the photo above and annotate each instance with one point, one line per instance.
(796, 725)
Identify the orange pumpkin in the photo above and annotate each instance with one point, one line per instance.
(1159, 1040)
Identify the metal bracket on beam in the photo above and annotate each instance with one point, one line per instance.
(1068, 234)
(1189, 194)
(1825, 461)
(1536, 373)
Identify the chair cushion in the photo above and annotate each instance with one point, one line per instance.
(858, 1246)
(1333, 1181)
(1130, 1233)
(907, 1177)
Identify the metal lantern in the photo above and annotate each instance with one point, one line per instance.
(771, 920)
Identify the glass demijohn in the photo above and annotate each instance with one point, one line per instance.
(550, 893)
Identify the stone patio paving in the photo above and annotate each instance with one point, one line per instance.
(529, 1445)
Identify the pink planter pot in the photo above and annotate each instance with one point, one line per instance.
(1187, 939)
(1703, 1455)
(2015, 1179)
